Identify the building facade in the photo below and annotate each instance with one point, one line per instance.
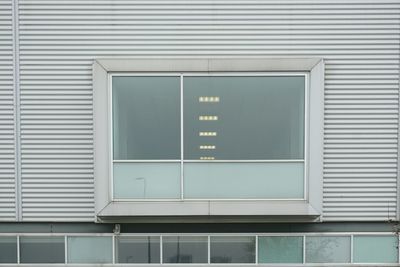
(172, 132)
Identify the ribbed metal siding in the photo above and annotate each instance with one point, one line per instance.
(358, 39)
(7, 137)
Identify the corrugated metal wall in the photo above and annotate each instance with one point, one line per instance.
(7, 133)
(358, 39)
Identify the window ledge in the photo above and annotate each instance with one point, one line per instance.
(220, 210)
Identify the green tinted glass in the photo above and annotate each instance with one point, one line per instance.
(147, 180)
(328, 249)
(375, 249)
(280, 249)
(86, 249)
(243, 180)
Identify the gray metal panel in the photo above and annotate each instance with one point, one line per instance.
(359, 41)
(7, 133)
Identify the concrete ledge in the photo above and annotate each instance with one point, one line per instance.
(209, 211)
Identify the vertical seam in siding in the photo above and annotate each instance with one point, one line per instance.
(17, 129)
(398, 132)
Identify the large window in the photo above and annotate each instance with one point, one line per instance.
(198, 136)
(216, 137)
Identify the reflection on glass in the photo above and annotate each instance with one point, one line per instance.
(145, 249)
(280, 249)
(42, 250)
(375, 249)
(88, 249)
(146, 180)
(229, 249)
(245, 118)
(146, 117)
(328, 249)
(8, 249)
(185, 249)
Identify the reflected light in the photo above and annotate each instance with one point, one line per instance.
(207, 147)
(209, 99)
(207, 133)
(207, 158)
(208, 118)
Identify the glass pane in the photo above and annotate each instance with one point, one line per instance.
(243, 180)
(375, 249)
(327, 249)
(147, 180)
(280, 249)
(85, 249)
(144, 249)
(8, 249)
(247, 118)
(185, 249)
(42, 250)
(231, 249)
(146, 117)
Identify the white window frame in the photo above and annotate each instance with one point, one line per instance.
(182, 161)
(111, 210)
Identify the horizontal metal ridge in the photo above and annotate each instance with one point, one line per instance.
(59, 39)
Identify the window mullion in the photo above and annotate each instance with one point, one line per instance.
(181, 109)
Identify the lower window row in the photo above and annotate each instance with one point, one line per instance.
(200, 249)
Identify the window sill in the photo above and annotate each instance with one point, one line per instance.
(211, 211)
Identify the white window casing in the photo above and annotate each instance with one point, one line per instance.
(309, 209)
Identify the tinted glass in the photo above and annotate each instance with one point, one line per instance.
(280, 249)
(42, 250)
(375, 249)
(147, 180)
(185, 249)
(138, 249)
(146, 117)
(8, 249)
(328, 249)
(234, 118)
(232, 249)
(89, 249)
(243, 180)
